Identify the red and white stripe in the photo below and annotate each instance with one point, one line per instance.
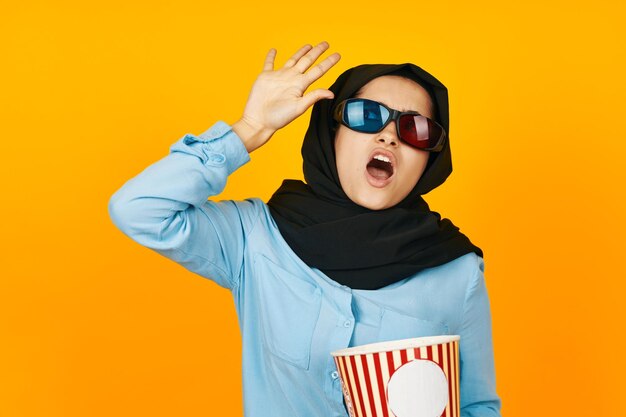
(364, 377)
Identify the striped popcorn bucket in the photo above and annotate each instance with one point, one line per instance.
(402, 378)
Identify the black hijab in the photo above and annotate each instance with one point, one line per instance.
(351, 244)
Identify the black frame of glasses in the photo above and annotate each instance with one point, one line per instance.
(393, 115)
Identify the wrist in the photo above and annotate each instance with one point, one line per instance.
(252, 135)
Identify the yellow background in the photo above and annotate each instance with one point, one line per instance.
(93, 324)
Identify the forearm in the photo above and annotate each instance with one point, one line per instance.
(196, 168)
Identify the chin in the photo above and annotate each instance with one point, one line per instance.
(374, 204)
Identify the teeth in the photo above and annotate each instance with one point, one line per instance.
(382, 158)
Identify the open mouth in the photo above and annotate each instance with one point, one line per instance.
(380, 168)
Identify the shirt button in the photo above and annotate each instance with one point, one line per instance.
(216, 158)
(347, 323)
(334, 375)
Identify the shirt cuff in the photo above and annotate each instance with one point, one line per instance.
(223, 146)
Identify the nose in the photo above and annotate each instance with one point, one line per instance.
(388, 135)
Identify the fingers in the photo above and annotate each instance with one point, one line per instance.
(307, 60)
(321, 68)
(312, 97)
(269, 60)
(292, 61)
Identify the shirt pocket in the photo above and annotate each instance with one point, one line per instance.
(289, 309)
(395, 326)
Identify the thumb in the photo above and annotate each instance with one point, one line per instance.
(314, 96)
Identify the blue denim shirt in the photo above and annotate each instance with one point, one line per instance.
(292, 316)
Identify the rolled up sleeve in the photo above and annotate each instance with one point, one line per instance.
(165, 207)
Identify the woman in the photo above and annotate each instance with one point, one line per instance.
(352, 256)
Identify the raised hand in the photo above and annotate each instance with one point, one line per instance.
(277, 96)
